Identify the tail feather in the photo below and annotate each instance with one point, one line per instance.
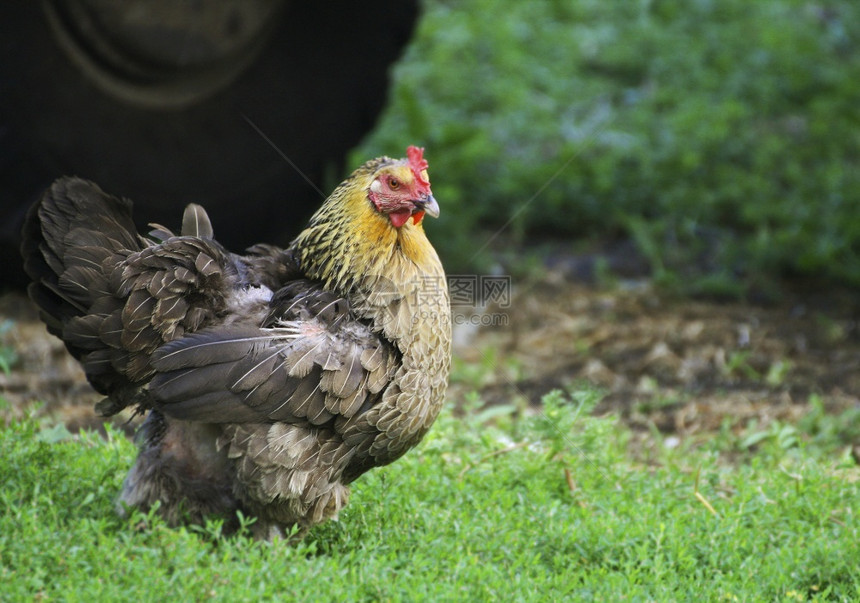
(195, 222)
(114, 297)
(72, 238)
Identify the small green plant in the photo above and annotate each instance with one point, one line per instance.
(737, 363)
(566, 426)
(658, 402)
(780, 436)
(8, 355)
(828, 432)
(777, 372)
(488, 369)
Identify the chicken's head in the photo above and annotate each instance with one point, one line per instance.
(401, 190)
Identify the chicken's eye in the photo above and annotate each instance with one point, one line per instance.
(394, 184)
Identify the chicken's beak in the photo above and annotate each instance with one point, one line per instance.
(429, 206)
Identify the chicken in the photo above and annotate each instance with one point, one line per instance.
(272, 379)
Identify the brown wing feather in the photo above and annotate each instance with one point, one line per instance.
(312, 363)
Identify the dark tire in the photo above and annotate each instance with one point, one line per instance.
(315, 88)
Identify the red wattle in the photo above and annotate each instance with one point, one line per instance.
(417, 217)
(398, 218)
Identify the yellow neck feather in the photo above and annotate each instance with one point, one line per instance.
(348, 240)
(394, 280)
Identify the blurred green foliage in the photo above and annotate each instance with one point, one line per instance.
(723, 136)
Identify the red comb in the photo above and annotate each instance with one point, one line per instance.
(417, 163)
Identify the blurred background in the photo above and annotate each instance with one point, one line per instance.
(712, 145)
(720, 138)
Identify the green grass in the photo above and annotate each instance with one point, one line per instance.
(489, 507)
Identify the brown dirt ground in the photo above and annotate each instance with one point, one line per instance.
(681, 366)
